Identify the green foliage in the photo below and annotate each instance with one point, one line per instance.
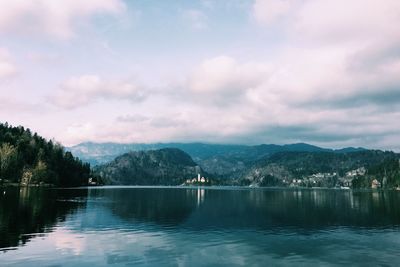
(380, 165)
(28, 158)
(167, 166)
(307, 163)
(269, 180)
(361, 182)
(8, 160)
(389, 168)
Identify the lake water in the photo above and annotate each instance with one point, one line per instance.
(164, 226)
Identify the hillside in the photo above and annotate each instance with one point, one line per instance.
(100, 153)
(168, 166)
(262, 165)
(353, 169)
(225, 161)
(26, 158)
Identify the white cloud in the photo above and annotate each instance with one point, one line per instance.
(246, 124)
(83, 90)
(196, 18)
(357, 22)
(53, 18)
(333, 49)
(7, 67)
(12, 106)
(287, 80)
(224, 75)
(317, 71)
(307, 95)
(360, 21)
(44, 58)
(269, 11)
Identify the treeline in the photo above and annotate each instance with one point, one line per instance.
(167, 166)
(307, 163)
(387, 173)
(27, 158)
(383, 166)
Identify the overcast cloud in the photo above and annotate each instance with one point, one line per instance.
(262, 71)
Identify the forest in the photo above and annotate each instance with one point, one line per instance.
(29, 159)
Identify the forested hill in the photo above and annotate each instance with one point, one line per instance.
(27, 158)
(215, 158)
(168, 166)
(326, 169)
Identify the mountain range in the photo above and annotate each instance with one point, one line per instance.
(261, 165)
(99, 153)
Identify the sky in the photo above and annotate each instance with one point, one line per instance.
(217, 71)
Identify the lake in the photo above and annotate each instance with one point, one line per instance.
(175, 226)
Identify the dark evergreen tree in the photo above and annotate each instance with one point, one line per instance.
(30, 159)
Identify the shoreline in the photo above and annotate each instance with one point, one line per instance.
(17, 185)
(227, 187)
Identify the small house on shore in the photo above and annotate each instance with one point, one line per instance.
(375, 184)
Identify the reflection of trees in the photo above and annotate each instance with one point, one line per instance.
(297, 209)
(33, 210)
(202, 209)
(267, 209)
(156, 205)
(26, 212)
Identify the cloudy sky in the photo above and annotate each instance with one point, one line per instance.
(235, 71)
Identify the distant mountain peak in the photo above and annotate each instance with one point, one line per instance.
(99, 153)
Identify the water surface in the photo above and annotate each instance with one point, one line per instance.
(172, 226)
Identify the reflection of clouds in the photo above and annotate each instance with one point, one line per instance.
(160, 248)
(231, 228)
(68, 241)
(129, 246)
(189, 248)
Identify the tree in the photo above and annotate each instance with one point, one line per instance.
(39, 173)
(26, 157)
(8, 160)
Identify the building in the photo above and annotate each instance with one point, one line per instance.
(92, 182)
(198, 180)
(375, 184)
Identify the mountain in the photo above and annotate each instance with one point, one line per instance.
(28, 158)
(326, 169)
(167, 166)
(99, 153)
(262, 165)
(230, 165)
(221, 160)
(350, 149)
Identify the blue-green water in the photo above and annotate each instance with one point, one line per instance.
(161, 226)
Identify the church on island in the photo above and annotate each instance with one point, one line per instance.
(199, 180)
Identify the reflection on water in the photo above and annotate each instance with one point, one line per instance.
(200, 196)
(25, 212)
(178, 226)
